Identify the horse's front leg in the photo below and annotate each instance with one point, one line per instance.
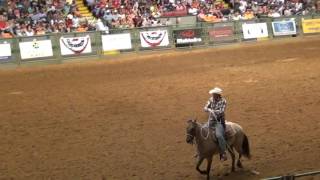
(200, 159)
(209, 160)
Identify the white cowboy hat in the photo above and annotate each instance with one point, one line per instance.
(215, 90)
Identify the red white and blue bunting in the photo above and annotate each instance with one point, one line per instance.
(75, 45)
(154, 38)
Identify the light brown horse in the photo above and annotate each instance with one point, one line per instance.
(207, 145)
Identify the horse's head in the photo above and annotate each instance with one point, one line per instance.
(191, 130)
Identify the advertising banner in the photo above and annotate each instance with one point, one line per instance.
(154, 38)
(116, 42)
(255, 30)
(187, 36)
(221, 33)
(311, 25)
(176, 13)
(75, 45)
(282, 28)
(5, 52)
(35, 49)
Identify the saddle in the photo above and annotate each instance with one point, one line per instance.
(229, 131)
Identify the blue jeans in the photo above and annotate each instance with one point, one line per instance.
(219, 133)
(220, 136)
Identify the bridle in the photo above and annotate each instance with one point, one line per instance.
(205, 136)
(191, 136)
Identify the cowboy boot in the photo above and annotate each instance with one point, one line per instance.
(223, 157)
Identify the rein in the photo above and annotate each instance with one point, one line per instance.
(201, 133)
(206, 136)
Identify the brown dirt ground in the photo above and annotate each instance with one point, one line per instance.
(126, 118)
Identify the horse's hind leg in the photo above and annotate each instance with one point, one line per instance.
(239, 164)
(209, 160)
(200, 159)
(230, 149)
(238, 147)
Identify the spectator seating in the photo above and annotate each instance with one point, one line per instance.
(83, 9)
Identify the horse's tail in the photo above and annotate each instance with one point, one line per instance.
(246, 147)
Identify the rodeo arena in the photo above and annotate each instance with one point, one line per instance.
(159, 89)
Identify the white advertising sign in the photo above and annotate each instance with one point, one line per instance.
(5, 51)
(35, 49)
(154, 38)
(256, 30)
(75, 45)
(116, 42)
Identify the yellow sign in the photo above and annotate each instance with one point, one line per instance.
(113, 52)
(263, 39)
(311, 25)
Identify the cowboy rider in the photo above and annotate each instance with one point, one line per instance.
(216, 107)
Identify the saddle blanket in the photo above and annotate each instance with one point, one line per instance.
(230, 131)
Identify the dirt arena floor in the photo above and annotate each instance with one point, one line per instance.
(126, 118)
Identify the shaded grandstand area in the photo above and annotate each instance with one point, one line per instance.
(24, 18)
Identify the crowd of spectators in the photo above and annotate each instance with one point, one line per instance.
(38, 17)
(128, 13)
(250, 9)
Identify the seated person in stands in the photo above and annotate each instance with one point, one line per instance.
(248, 14)
(169, 7)
(180, 6)
(5, 34)
(215, 10)
(236, 16)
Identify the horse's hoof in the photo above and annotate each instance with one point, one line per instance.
(203, 172)
(239, 165)
(226, 174)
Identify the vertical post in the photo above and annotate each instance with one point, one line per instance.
(98, 43)
(299, 26)
(136, 34)
(269, 27)
(171, 36)
(17, 51)
(238, 30)
(174, 38)
(56, 44)
(205, 34)
(234, 35)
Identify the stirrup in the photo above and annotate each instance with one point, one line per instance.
(223, 157)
